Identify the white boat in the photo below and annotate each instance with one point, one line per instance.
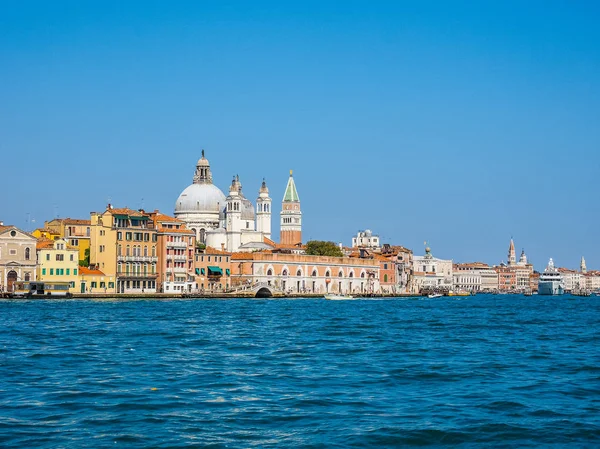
(551, 281)
(434, 295)
(335, 297)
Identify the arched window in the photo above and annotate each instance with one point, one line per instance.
(27, 253)
(27, 275)
(362, 275)
(299, 273)
(202, 236)
(341, 274)
(127, 251)
(269, 272)
(351, 274)
(314, 273)
(285, 272)
(385, 278)
(145, 251)
(327, 274)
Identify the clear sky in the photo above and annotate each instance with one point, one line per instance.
(459, 123)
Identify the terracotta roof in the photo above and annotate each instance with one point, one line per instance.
(90, 272)
(176, 231)
(160, 217)
(76, 221)
(125, 211)
(210, 250)
(44, 243)
(268, 241)
(241, 256)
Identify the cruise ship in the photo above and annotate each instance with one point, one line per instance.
(551, 281)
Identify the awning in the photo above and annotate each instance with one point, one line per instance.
(227, 272)
(215, 270)
(202, 271)
(197, 270)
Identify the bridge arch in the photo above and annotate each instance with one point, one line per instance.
(264, 292)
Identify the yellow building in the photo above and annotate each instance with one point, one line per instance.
(95, 281)
(58, 261)
(45, 234)
(123, 245)
(76, 232)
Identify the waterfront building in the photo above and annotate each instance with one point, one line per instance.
(175, 248)
(573, 280)
(291, 215)
(300, 273)
(77, 233)
(17, 257)
(123, 245)
(387, 273)
(212, 268)
(366, 239)
(217, 220)
(475, 277)
(516, 276)
(58, 261)
(431, 273)
(592, 280)
(94, 281)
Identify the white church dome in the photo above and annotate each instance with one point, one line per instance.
(200, 198)
(247, 210)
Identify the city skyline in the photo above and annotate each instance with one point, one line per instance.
(419, 123)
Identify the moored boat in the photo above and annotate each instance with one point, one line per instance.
(335, 297)
(434, 295)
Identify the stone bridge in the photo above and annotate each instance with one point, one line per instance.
(259, 290)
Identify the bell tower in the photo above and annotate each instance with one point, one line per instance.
(291, 215)
(263, 211)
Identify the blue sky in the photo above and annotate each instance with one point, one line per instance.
(458, 123)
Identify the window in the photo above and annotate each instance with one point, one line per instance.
(43, 271)
(72, 284)
(269, 272)
(71, 257)
(75, 271)
(27, 253)
(102, 284)
(47, 256)
(68, 271)
(128, 236)
(385, 266)
(146, 237)
(155, 237)
(27, 277)
(111, 285)
(51, 271)
(299, 273)
(101, 248)
(385, 278)
(94, 284)
(12, 252)
(60, 257)
(119, 235)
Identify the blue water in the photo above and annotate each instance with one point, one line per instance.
(502, 371)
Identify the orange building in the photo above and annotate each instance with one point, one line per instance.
(212, 268)
(175, 251)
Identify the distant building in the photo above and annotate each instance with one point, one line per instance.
(58, 261)
(366, 239)
(431, 273)
(515, 276)
(296, 273)
(475, 277)
(231, 220)
(76, 232)
(17, 257)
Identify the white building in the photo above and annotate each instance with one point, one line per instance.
(431, 273)
(475, 277)
(366, 239)
(224, 222)
(17, 257)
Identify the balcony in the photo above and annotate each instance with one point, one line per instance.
(177, 244)
(137, 259)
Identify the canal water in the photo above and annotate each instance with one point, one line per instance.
(501, 371)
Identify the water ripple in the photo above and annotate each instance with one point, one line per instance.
(505, 372)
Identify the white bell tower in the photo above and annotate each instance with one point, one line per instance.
(263, 211)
